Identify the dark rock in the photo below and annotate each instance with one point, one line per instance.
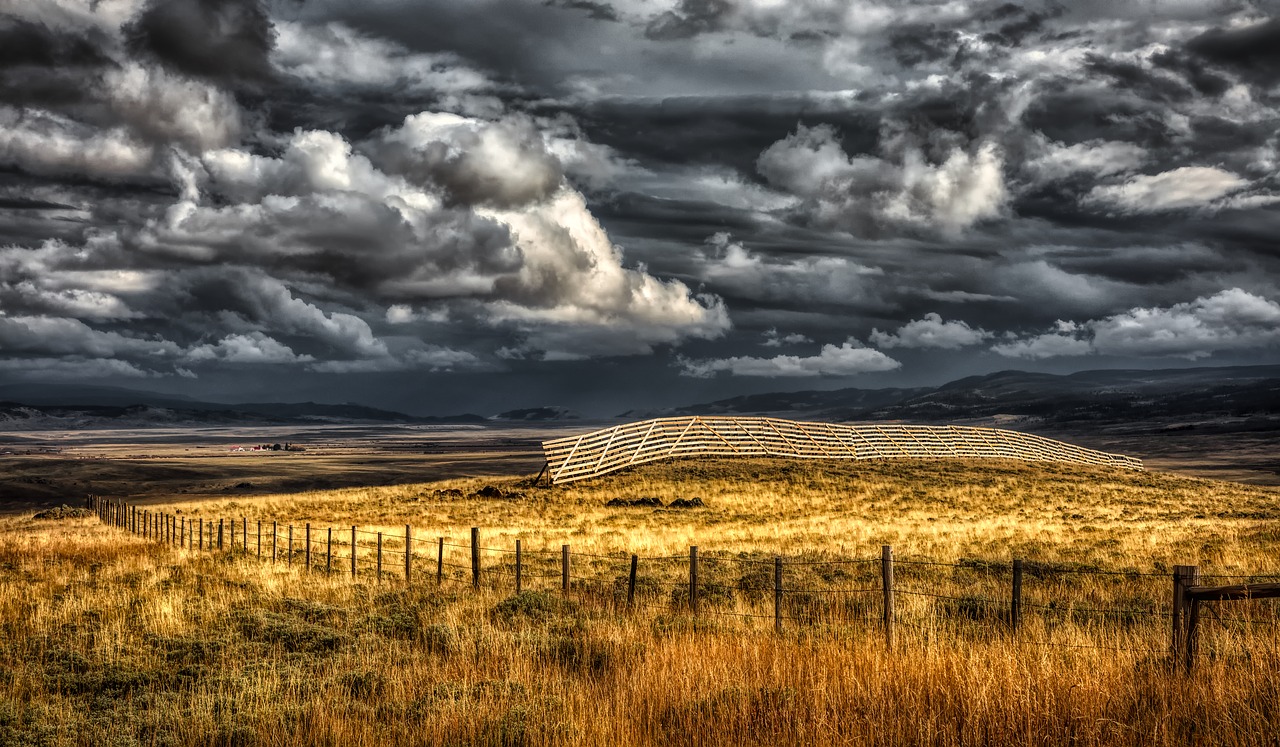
(63, 512)
(638, 502)
(687, 503)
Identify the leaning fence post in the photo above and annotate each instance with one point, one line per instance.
(475, 557)
(564, 569)
(519, 565)
(408, 554)
(693, 578)
(886, 579)
(777, 593)
(631, 582)
(1015, 603)
(353, 551)
(439, 561)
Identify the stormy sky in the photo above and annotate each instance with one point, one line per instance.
(451, 205)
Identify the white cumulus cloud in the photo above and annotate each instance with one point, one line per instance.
(931, 332)
(1232, 319)
(846, 359)
(1181, 188)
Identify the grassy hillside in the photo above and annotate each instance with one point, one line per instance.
(109, 639)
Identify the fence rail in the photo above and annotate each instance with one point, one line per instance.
(734, 587)
(604, 451)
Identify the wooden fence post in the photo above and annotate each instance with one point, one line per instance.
(693, 578)
(439, 561)
(519, 566)
(219, 534)
(631, 582)
(182, 533)
(259, 539)
(1015, 603)
(307, 554)
(475, 557)
(408, 554)
(201, 532)
(275, 536)
(777, 593)
(353, 551)
(244, 535)
(290, 545)
(379, 571)
(564, 569)
(328, 552)
(1180, 575)
(886, 580)
(1191, 581)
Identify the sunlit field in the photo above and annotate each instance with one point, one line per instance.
(110, 638)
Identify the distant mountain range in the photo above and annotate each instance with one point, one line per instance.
(1248, 396)
(538, 415)
(1092, 396)
(39, 407)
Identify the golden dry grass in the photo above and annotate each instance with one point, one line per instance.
(109, 639)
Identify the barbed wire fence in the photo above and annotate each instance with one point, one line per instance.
(1029, 602)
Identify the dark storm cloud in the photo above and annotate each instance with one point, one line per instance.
(1196, 73)
(222, 40)
(201, 188)
(594, 10)
(918, 44)
(1252, 50)
(690, 18)
(30, 43)
(718, 130)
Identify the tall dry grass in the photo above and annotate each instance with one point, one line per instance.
(108, 639)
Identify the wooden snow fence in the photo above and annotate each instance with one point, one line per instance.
(604, 451)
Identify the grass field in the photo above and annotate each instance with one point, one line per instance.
(109, 639)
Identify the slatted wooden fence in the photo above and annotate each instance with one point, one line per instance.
(603, 451)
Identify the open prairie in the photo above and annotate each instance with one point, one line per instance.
(44, 468)
(47, 468)
(113, 639)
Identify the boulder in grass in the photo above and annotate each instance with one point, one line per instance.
(63, 512)
(488, 491)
